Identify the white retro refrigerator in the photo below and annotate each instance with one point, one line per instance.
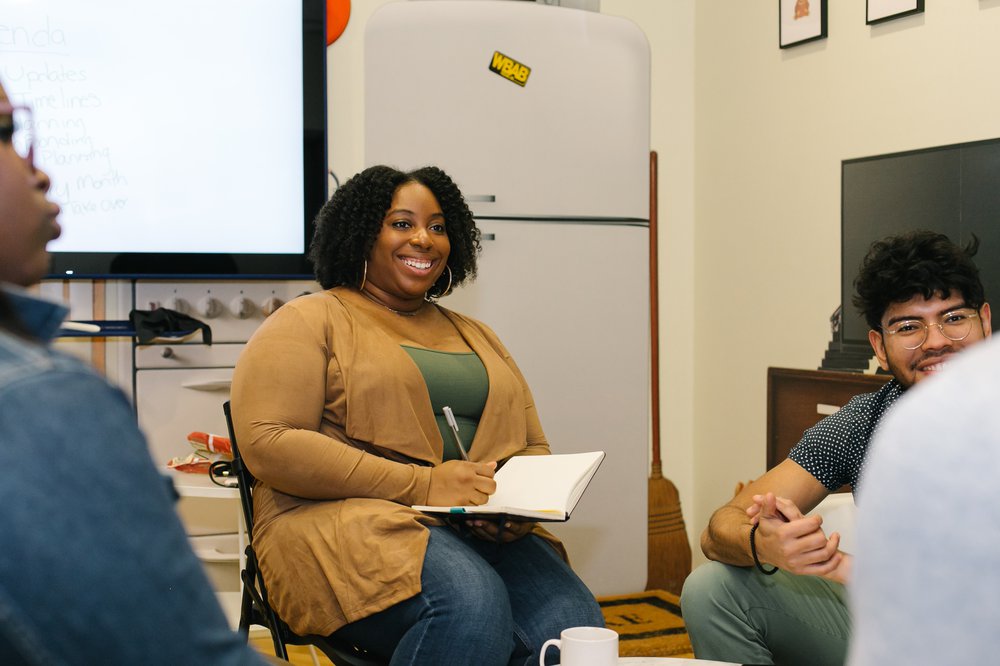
(541, 115)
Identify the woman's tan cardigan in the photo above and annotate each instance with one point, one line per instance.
(334, 419)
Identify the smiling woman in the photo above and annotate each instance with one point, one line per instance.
(340, 399)
(348, 226)
(410, 253)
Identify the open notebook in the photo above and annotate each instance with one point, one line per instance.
(535, 487)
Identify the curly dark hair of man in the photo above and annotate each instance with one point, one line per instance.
(922, 263)
(347, 225)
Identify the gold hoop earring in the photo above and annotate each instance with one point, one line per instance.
(447, 290)
(364, 276)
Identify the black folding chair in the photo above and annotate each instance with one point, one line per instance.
(254, 607)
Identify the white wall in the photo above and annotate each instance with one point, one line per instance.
(346, 92)
(772, 127)
(670, 28)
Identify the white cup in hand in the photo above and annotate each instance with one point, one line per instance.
(584, 646)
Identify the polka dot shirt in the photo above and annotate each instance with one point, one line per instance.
(834, 449)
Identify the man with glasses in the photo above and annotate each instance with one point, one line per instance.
(774, 592)
(95, 566)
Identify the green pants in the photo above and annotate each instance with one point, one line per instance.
(738, 614)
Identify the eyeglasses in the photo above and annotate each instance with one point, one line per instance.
(912, 333)
(17, 128)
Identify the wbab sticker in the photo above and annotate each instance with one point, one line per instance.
(510, 69)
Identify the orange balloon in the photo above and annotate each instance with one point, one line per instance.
(337, 14)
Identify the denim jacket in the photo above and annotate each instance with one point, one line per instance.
(95, 566)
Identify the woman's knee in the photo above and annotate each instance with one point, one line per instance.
(484, 604)
(468, 590)
(579, 609)
(569, 606)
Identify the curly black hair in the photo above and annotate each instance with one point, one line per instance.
(919, 262)
(347, 225)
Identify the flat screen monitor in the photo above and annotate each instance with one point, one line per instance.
(183, 138)
(953, 189)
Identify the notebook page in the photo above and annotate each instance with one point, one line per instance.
(541, 482)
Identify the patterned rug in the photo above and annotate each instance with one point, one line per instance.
(649, 624)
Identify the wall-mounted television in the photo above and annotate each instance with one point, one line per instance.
(183, 138)
(952, 189)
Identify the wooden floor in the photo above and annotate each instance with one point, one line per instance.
(298, 655)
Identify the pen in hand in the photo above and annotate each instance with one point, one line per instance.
(450, 417)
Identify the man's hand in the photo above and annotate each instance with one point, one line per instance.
(842, 574)
(458, 483)
(725, 537)
(794, 542)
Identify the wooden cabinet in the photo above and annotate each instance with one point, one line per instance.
(798, 399)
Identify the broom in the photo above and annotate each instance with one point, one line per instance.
(669, 554)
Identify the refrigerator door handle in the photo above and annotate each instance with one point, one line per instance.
(491, 198)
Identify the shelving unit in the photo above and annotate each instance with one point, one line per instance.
(178, 384)
(222, 554)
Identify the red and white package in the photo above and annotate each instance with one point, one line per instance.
(192, 463)
(206, 443)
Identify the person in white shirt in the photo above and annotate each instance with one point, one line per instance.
(926, 587)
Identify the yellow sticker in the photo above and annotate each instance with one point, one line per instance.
(510, 69)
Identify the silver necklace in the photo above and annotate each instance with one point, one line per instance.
(401, 313)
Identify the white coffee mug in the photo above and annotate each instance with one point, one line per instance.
(584, 646)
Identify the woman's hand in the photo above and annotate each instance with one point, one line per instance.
(487, 529)
(458, 483)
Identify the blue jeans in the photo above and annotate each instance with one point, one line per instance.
(481, 602)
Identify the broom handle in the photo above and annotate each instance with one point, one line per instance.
(654, 318)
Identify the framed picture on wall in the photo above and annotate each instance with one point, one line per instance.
(801, 21)
(887, 10)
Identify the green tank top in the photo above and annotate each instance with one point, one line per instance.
(457, 380)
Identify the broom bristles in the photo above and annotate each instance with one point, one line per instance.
(669, 561)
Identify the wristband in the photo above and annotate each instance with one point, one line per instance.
(753, 551)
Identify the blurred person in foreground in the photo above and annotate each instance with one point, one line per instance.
(95, 566)
(775, 590)
(927, 576)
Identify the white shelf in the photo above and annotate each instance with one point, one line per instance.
(230, 602)
(216, 547)
(198, 485)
